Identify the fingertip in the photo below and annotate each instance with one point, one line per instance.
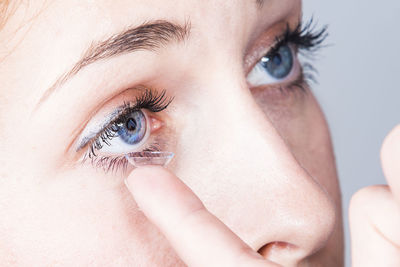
(390, 155)
(391, 143)
(144, 171)
(144, 180)
(161, 196)
(156, 187)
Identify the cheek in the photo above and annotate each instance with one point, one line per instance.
(78, 220)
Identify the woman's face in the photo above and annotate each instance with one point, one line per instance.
(81, 80)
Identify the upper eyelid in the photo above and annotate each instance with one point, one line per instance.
(86, 138)
(263, 46)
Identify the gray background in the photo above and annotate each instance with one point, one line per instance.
(358, 85)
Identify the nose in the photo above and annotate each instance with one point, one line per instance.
(245, 174)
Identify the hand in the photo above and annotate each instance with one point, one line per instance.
(198, 237)
(375, 214)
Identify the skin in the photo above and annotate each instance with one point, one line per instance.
(375, 213)
(255, 165)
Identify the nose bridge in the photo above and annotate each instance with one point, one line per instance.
(258, 188)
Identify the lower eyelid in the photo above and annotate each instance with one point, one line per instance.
(282, 95)
(281, 100)
(115, 164)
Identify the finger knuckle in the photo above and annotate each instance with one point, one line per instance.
(365, 197)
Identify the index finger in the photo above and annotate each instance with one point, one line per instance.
(198, 237)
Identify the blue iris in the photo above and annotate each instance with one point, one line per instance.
(133, 128)
(280, 63)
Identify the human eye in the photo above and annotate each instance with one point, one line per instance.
(281, 64)
(129, 128)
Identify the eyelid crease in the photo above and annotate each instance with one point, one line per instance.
(303, 36)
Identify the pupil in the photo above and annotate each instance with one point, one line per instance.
(279, 64)
(133, 128)
(277, 60)
(131, 125)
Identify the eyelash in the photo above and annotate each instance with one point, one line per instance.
(149, 100)
(307, 40)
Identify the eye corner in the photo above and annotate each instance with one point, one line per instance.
(155, 123)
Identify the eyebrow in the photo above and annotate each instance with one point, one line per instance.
(148, 36)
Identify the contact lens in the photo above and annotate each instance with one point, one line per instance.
(138, 159)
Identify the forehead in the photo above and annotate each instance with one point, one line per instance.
(87, 20)
(109, 13)
(57, 32)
